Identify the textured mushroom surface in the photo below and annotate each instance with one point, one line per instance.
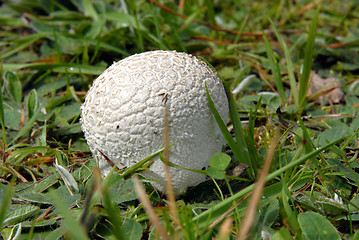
(122, 115)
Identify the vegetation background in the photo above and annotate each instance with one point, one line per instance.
(292, 68)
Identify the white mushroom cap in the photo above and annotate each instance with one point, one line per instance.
(123, 114)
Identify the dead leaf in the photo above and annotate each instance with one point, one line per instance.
(325, 89)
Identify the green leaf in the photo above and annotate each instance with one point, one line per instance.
(132, 229)
(31, 103)
(12, 119)
(266, 217)
(69, 111)
(121, 190)
(282, 234)
(316, 226)
(15, 88)
(122, 19)
(15, 232)
(19, 212)
(334, 133)
(67, 177)
(216, 173)
(89, 9)
(66, 198)
(345, 171)
(34, 197)
(220, 161)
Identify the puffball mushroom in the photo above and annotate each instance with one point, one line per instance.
(123, 113)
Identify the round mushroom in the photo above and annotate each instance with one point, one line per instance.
(123, 113)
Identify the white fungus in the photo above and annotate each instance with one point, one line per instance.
(122, 115)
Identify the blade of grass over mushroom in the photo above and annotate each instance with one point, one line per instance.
(131, 170)
(227, 136)
(274, 68)
(290, 68)
(308, 61)
(214, 212)
(183, 168)
(204, 172)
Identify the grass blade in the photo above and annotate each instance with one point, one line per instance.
(274, 67)
(111, 208)
(70, 223)
(5, 202)
(126, 173)
(308, 61)
(2, 119)
(239, 136)
(290, 68)
(27, 127)
(227, 136)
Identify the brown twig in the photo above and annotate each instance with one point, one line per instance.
(249, 218)
(44, 214)
(225, 229)
(169, 186)
(223, 216)
(23, 179)
(149, 208)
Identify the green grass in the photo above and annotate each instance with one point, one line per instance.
(52, 50)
